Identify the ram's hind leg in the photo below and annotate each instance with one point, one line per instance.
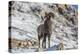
(39, 41)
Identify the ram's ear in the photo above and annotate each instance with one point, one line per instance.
(42, 18)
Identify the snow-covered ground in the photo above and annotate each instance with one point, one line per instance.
(26, 17)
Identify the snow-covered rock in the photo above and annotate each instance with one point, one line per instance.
(26, 17)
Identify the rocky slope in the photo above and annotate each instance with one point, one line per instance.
(26, 17)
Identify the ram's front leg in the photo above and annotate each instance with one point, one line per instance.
(44, 42)
(48, 41)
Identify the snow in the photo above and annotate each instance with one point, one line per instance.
(25, 22)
